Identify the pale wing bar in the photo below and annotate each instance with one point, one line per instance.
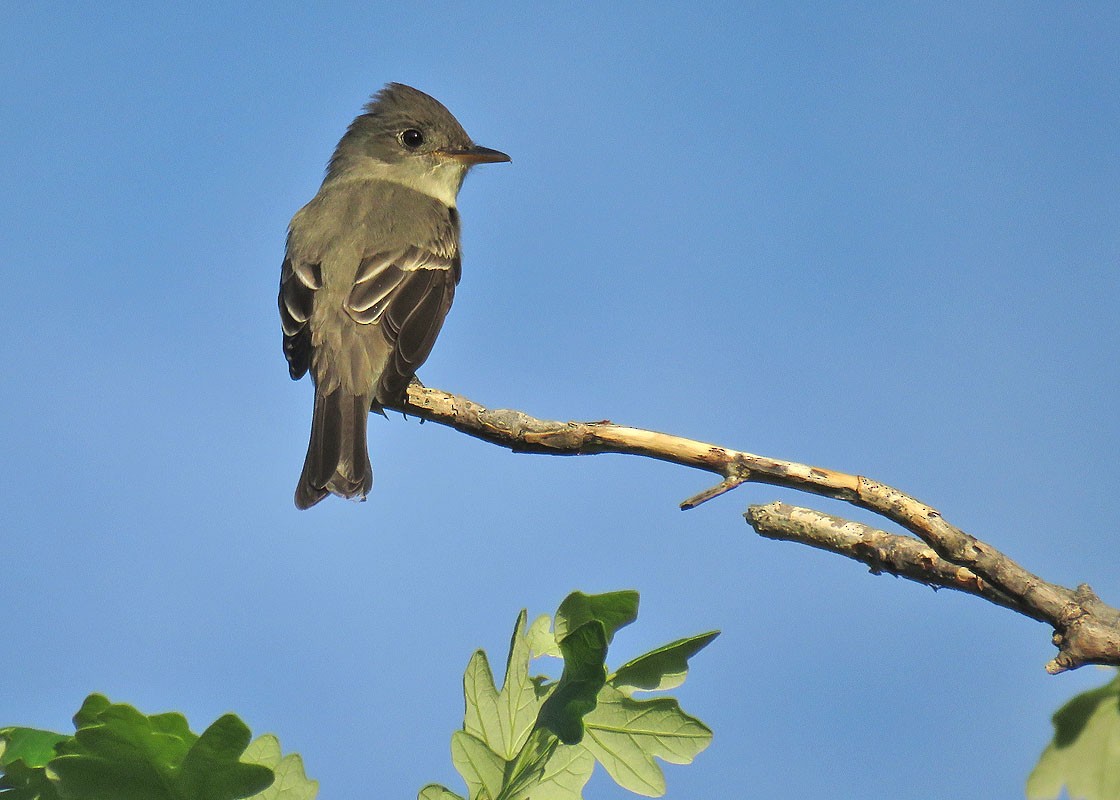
(407, 294)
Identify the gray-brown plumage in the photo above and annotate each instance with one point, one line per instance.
(369, 275)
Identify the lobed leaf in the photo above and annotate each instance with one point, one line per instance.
(502, 719)
(118, 753)
(433, 791)
(660, 669)
(31, 746)
(523, 774)
(291, 782)
(565, 773)
(518, 702)
(585, 673)
(482, 769)
(614, 609)
(212, 768)
(625, 735)
(21, 782)
(480, 719)
(541, 640)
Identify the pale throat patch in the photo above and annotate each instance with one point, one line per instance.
(441, 182)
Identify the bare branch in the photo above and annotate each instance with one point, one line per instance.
(1086, 630)
(893, 553)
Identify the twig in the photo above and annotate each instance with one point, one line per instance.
(1086, 630)
(726, 485)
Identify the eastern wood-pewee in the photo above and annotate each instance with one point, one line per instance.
(369, 274)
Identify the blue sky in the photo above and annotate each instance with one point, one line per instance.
(884, 240)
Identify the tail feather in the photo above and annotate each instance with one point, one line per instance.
(337, 461)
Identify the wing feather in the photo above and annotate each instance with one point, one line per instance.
(407, 295)
(298, 282)
(382, 275)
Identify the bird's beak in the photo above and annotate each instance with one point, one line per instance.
(476, 154)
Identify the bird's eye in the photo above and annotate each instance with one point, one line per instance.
(412, 138)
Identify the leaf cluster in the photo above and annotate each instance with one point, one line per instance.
(539, 738)
(118, 753)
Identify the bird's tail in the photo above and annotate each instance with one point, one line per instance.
(337, 461)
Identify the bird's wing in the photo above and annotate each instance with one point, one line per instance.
(407, 294)
(298, 282)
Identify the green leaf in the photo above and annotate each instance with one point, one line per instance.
(118, 753)
(291, 783)
(481, 768)
(660, 669)
(541, 640)
(524, 773)
(518, 702)
(565, 774)
(31, 746)
(212, 768)
(502, 754)
(502, 720)
(433, 791)
(92, 708)
(625, 735)
(585, 654)
(481, 716)
(614, 609)
(21, 782)
(1085, 753)
(83, 777)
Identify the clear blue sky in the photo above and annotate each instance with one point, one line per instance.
(884, 240)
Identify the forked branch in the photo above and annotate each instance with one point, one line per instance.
(1086, 631)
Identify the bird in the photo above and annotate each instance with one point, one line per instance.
(369, 273)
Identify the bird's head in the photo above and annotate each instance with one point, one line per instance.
(408, 137)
